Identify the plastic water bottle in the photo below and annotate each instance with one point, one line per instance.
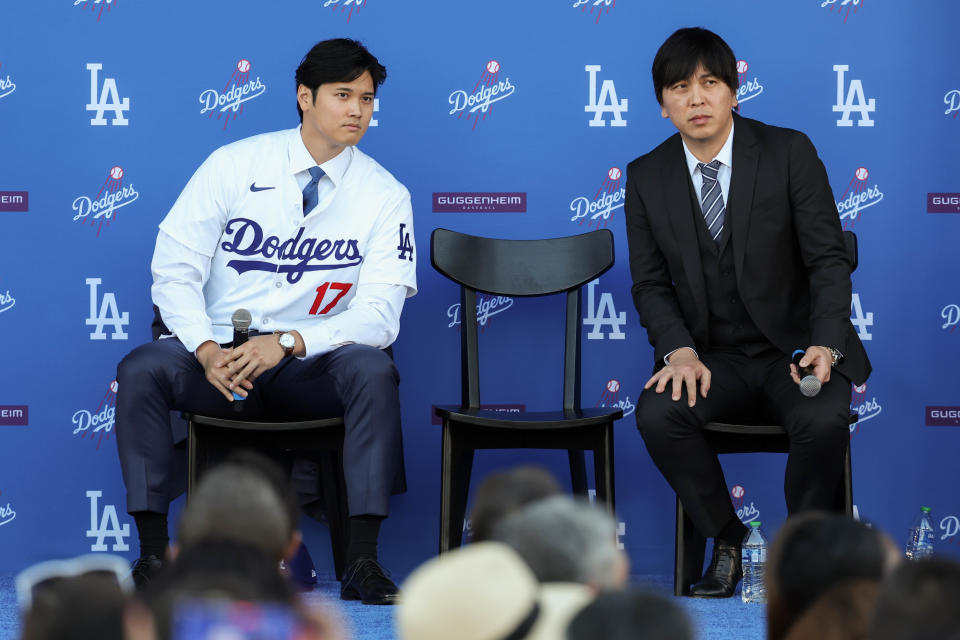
(754, 559)
(920, 538)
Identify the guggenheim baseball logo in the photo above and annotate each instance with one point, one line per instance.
(942, 416)
(477, 103)
(101, 208)
(480, 202)
(599, 208)
(858, 195)
(14, 201)
(7, 85)
(943, 203)
(229, 101)
(14, 415)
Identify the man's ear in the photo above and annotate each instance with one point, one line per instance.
(304, 96)
(295, 539)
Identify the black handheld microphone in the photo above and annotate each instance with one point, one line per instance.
(241, 320)
(809, 383)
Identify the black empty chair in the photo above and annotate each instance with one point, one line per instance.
(752, 435)
(520, 268)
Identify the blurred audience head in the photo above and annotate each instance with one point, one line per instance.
(566, 540)
(506, 491)
(82, 605)
(239, 501)
(814, 553)
(629, 614)
(920, 601)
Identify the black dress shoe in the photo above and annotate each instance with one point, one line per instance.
(723, 574)
(365, 580)
(145, 570)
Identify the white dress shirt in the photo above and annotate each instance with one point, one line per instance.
(237, 238)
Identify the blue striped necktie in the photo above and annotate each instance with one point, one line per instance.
(711, 200)
(310, 195)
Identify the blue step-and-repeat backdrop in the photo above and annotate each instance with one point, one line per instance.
(505, 118)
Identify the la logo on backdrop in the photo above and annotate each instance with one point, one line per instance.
(598, 7)
(106, 524)
(101, 208)
(477, 103)
(842, 8)
(345, 6)
(746, 512)
(858, 195)
(97, 422)
(855, 101)
(96, 6)
(238, 90)
(7, 85)
(606, 102)
(108, 100)
(599, 208)
(610, 397)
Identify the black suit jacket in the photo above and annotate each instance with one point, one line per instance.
(792, 268)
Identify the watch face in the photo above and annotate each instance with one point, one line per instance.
(287, 341)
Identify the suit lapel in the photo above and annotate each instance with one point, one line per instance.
(677, 196)
(746, 158)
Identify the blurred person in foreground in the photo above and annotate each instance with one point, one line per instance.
(630, 614)
(504, 492)
(920, 601)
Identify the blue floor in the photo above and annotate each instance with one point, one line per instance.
(728, 619)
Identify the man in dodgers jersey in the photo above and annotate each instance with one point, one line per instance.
(316, 240)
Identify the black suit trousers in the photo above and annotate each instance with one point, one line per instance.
(742, 387)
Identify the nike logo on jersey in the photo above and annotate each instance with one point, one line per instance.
(255, 188)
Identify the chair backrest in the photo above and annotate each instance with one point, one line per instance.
(520, 268)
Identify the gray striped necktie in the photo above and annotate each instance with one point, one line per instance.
(711, 200)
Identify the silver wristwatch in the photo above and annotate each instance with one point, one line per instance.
(837, 356)
(287, 343)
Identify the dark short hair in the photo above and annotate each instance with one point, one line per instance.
(919, 600)
(631, 613)
(504, 492)
(337, 60)
(685, 50)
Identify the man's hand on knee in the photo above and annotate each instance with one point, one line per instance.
(683, 369)
(213, 359)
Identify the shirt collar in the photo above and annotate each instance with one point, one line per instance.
(301, 160)
(725, 155)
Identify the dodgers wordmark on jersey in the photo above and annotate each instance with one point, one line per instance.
(237, 237)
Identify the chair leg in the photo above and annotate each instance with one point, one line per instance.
(578, 471)
(847, 482)
(456, 463)
(334, 498)
(193, 470)
(688, 555)
(603, 468)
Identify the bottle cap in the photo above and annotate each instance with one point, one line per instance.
(755, 524)
(925, 509)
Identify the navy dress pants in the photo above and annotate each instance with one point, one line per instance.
(355, 381)
(744, 387)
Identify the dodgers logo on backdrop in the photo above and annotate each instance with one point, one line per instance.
(478, 102)
(14, 415)
(293, 253)
(605, 102)
(98, 422)
(864, 406)
(749, 89)
(109, 314)
(7, 85)
(603, 314)
(112, 196)
(607, 199)
(238, 90)
(14, 201)
(951, 316)
(96, 6)
(108, 100)
(344, 5)
(843, 7)
(106, 525)
(610, 397)
(857, 196)
(951, 99)
(599, 6)
(7, 514)
(950, 526)
(6, 301)
(862, 321)
(746, 512)
(943, 203)
(855, 100)
(487, 307)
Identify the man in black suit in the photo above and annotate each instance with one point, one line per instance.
(737, 259)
